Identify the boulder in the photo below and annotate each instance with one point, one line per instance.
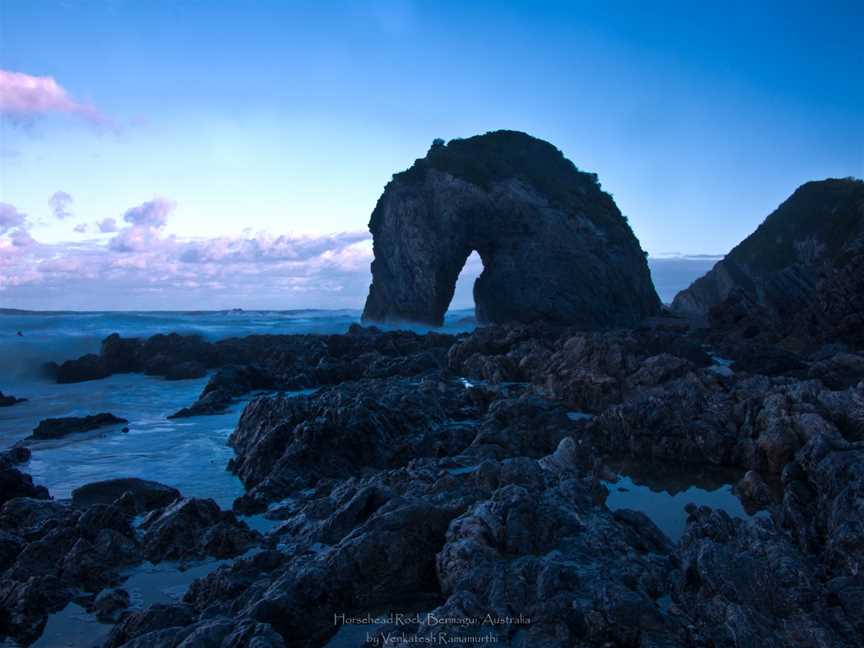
(6, 400)
(146, 495)
(194, 528)
(55, 428)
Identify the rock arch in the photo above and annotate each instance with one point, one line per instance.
(554, 246)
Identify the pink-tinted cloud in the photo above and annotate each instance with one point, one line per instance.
(24, 98)
(143, 267)
(145, 221)
(60, 202)
(21, 238)
(153, 213)
(10, 217)
(107, 225)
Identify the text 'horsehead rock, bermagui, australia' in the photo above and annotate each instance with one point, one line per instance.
(554, 246)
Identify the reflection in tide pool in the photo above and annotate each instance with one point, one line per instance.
(74, 627)
(662, 491)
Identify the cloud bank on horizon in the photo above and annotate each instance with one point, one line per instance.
(140, 266)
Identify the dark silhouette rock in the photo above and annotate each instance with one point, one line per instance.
(88, 367)
(554, 246)
(55, 428)
(13, 482)
(109, 604)
(7, 401)
(800, 269)
(194, 528)
(144, 495)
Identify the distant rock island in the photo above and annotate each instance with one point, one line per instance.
(554, 246)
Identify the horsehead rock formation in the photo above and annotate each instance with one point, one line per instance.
(554, 246)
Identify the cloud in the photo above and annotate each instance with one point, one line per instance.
(145, 222)
(143, 267)
(25, 98)
(21, 238)
(153, 213)
(107, 225)
(60, 202)
(10, 217)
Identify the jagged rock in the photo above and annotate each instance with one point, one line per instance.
(194, 528)
(225, 385)
(25, 606)
(88, 367)
(14, 483)
(553, 245)
(286, 444)
(145, 495)
(158, 625)
(796, 279)
(753, 491)
(779, 262)
(109, 604)
(7, 400)
(10, 546)
(55, 428)
(17, 454)
(747, 584)
(390, 557)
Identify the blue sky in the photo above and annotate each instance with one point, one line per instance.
(286, 119)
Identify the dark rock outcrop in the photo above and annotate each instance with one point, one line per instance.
(194, 528)
(52, 553)
(109, 604)
(7, 400)
(554, 246)
(55, 428)
(142, 495)
(800, 268)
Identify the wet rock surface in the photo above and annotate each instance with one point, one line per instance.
(137, 495)
(7, 400)
(52, 553)
(55, 428)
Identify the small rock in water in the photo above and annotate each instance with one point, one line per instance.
(55, 428)
(7, 401)
(109, 605)
(146, 495)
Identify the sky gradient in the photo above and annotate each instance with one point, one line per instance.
(192, 154)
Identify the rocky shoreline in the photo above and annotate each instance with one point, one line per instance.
(413, 478)
(463, 476)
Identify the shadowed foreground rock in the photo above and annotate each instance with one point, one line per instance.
(52, 553)
(142, 494)
(554, 246)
